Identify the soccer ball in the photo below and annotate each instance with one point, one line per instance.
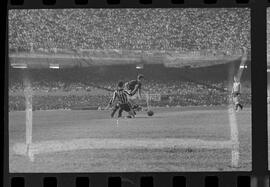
(150, 113)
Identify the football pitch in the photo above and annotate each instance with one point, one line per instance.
(100, 131)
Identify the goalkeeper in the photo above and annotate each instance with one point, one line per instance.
(236, 94)
(135, 86)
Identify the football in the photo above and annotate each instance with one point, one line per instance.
(150, 113)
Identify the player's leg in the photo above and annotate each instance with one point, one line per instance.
(116, 107)
(236, 102)
(131, 103)
(120, 111)
(136, 107)
(131, 110)
(239, 104)
(127, 107)
(123, 107)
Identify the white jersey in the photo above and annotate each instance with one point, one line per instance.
(236, 87)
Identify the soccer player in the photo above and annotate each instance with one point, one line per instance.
(123, 104)
(236, 93)
(135, 86)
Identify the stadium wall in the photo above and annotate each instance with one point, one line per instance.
(116, 72)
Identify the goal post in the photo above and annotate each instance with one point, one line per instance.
(234, 138)
(232, 115)
(28, 120)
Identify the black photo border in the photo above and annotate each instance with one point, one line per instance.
(259, 176)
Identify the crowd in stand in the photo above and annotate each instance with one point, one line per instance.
(49, 102)
(210, 30)
(52, 86)
(171, 87)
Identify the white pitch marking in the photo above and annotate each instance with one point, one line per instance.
(118, 143)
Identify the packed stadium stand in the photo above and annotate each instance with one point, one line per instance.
(207, 30)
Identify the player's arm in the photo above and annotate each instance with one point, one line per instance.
(112, 99)
(137, 88)
(129, 93)
(134, 91)
(140, 92)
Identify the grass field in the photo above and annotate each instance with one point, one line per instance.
(205, 123)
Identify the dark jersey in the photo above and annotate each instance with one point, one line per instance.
(121, 95)
(132, 84)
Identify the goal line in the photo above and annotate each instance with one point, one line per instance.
(119, 143)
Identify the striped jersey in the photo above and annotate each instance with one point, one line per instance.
(121, 95)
